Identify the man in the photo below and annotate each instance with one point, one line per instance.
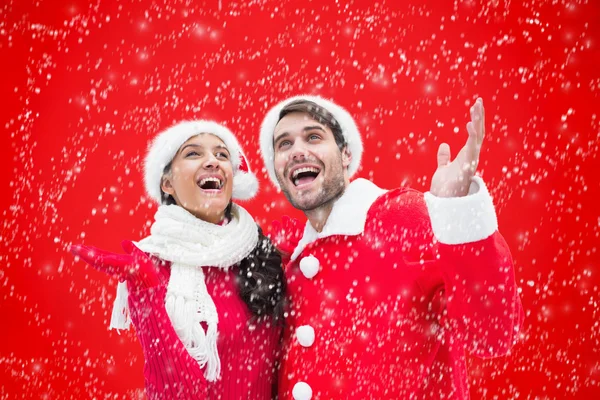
(388, 290)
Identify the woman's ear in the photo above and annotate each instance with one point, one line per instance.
(166, 185)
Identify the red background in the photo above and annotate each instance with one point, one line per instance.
(86, 85)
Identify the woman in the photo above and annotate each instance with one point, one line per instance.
(205, 289)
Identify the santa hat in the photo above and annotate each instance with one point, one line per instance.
(167, 143)
(343, 117)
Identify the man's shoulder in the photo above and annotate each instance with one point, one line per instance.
(398, 208)
(401, 199)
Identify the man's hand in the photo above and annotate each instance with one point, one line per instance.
(286, 234)
(452, 179)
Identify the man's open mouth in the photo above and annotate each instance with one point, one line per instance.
(304, 175)
(210, 183)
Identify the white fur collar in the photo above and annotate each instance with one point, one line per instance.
(348, 216)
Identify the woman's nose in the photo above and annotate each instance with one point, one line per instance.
(211, 162)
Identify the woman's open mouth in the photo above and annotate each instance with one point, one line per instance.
(211, 184)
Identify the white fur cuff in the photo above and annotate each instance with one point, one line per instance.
(458, 220)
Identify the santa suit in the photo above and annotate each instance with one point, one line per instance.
(404, 285)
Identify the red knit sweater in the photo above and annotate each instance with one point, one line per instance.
(247, 349)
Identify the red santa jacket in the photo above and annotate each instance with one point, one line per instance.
(388, 298)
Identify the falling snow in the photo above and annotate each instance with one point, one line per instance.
(86, 85)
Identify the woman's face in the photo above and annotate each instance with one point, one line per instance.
(201, 177)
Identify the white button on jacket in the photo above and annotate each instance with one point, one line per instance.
(302, 391)
(305, 335)
(309, 266)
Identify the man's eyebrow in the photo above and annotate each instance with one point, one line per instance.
(305, 129)
(310, 128)
(284, 134)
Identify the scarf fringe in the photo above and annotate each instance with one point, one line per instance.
(120, 318)
(201, 345)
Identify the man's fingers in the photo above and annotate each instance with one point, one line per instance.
(275, 230)
(469, 154)
(482, 132)
(275, 225)
(471, 131)
(443, 155)
(477, 117)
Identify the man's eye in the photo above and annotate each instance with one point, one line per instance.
(284, 143)
(314, 137)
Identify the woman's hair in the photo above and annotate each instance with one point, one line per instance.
(261, 282)
(166, 198)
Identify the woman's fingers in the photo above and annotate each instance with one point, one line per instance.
(110, 263)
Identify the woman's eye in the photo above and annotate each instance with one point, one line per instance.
(222, 155)
(192, 153)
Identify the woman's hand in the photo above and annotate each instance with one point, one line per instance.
(136, 267)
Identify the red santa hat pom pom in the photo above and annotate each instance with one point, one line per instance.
(245, 184)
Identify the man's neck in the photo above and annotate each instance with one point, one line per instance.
(318, 216)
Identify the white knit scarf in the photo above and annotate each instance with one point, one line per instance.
(190, 243)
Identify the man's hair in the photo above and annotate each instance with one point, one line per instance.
(319, 114)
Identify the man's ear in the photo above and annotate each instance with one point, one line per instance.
(166, 185)
(346, 157)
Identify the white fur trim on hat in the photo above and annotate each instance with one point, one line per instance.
(166, 144)
(349, 131)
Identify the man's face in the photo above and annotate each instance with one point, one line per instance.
(310, 167)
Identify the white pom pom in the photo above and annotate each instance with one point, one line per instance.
(309, 266)
(305, 335)
(245, 185)
(302, 391)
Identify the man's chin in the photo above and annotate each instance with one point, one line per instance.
(304, 200)
(305, 203)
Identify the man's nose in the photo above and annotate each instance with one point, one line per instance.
(299, 151)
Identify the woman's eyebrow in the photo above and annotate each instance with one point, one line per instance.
(220, 146)
(189, 145)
